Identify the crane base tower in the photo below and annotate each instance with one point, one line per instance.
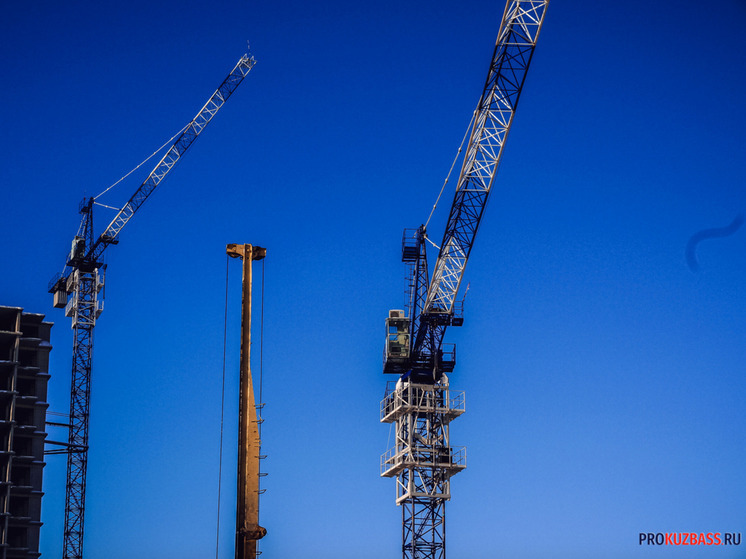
(422, 460)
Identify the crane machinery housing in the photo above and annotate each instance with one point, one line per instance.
(420, 403)
(78, 290)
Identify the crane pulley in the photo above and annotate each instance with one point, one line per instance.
(78, 290)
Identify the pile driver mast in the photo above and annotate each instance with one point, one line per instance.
(248, 530)
(78, 290)
(420, 403)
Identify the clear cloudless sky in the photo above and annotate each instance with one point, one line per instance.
(605, 381)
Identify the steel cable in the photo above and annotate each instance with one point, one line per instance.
(222, 408)
(458, 154)
(142, 163)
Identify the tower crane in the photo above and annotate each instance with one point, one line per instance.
(420, 403)
(78, 290)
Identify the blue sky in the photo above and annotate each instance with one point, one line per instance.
(604, 380)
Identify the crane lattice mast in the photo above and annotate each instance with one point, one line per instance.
(78, 290)
(420, 403)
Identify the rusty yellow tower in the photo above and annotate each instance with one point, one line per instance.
(248, 530)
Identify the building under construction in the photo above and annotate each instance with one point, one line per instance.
(24, 366)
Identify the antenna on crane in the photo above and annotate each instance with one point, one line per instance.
(78, 290)
(420, 403)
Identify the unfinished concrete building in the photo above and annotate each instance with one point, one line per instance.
(24, 366)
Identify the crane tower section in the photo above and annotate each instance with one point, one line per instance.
(421, 403)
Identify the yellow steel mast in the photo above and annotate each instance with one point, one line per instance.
(248, 530)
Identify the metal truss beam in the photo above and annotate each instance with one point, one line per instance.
(84, 282)
(182, 143)
(514, 48)
(77, 462)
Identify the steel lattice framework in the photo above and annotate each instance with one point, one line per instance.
(514, 49)
(422, 460)
(422, 430)
(177, 150)
(82, 281)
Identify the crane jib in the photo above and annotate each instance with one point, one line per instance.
(496, 108)
(172, 156)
